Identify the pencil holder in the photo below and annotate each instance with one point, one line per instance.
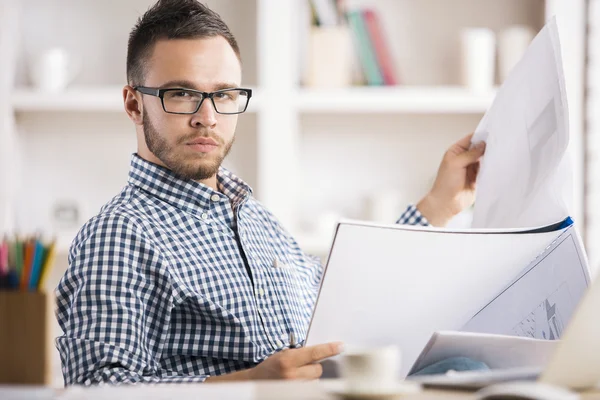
(25, 337)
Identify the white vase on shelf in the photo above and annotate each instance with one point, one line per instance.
(53, 70)
(478, 58)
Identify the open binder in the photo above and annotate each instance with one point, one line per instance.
(393, 284)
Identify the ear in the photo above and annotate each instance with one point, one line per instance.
(133, 105)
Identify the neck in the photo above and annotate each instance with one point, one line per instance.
(210, 182)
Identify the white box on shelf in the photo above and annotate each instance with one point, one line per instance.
(329, 57)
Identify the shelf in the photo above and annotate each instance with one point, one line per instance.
(450, 99)
(82, 98)
(101, 98)
(425, 100)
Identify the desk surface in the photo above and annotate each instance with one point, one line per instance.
(322, 391)
(266, 390)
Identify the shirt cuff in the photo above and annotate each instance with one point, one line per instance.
(412, 216)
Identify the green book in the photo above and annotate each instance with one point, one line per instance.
(366, 50)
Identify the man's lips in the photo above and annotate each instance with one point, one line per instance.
(204, 141)
(203, 145)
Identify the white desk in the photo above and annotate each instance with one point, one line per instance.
(266, 390)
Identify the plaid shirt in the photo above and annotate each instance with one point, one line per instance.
(173, 282)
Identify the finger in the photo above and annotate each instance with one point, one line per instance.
(313, 354)
(472, 172)
(465, 142)
(309, 372)
(471, 156)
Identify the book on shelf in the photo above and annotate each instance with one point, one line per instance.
(382, 52)
(364, 48)
(371, 46)
(363, 27)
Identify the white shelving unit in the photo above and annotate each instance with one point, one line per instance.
(293, 139)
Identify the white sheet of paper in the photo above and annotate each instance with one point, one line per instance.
(497, 351)
(525, 176)
(540, 302)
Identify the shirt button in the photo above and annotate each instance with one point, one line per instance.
(279, 343)
(276, 263)
(261, 292)
(215, 197)
(204, 216)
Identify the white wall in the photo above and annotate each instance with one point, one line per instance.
(593, 135)
(380, 153)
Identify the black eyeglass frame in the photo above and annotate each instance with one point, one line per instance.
(160, 93)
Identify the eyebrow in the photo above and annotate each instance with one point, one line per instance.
(190, 85)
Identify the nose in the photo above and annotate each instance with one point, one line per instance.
(206, 115)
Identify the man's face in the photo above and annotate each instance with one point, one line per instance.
(192, 146)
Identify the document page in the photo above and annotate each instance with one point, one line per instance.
(540, 302)
(525, 176)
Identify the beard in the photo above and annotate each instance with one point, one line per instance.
(198, 167)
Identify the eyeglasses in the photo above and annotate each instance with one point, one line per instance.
(188, 101)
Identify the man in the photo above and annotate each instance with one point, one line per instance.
(184, 276)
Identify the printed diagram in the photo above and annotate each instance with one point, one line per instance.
(548, 319)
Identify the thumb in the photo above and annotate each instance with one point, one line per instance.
(472, 156)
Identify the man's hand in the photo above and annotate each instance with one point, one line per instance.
(454, 187)
(287, 364)
(300, 363)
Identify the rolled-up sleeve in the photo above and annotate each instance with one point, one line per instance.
(113, 305)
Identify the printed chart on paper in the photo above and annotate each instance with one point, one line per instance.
(547, 321)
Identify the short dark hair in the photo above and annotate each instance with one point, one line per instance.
(171, 19)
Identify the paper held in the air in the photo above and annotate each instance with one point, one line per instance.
(525, 176)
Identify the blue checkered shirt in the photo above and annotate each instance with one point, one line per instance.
(174, 282)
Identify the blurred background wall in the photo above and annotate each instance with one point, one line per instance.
(325, 137)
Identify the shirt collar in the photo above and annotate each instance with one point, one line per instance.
(161, 182)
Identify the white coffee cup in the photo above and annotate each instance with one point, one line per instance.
(478, 58)
(53, 70)
(373, 370)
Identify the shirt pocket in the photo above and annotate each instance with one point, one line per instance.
(294, 296)
(284, 273)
